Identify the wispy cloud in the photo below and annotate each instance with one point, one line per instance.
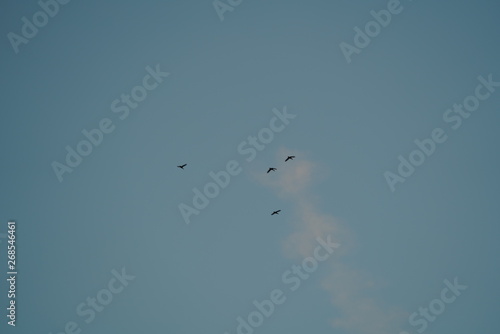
(348, 287)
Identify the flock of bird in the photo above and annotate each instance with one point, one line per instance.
(271, 169)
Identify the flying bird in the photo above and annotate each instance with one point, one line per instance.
(182, 166)
(276, 212)
(271, 169)
(290, 157)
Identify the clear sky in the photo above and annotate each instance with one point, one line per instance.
(102, 244)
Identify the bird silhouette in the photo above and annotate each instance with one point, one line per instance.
(277, 212)
(290, 157)
(271, 169)
(182, 166)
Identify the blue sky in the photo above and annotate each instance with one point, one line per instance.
(116, 214)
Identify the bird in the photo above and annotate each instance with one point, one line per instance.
(290, 157)
(271, 169)
(182, 166)
(277, 212)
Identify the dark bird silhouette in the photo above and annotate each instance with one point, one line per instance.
(271, 169)
(182, 166)
(277, 212)
(290, 157)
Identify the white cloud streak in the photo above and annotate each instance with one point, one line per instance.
(348, 288)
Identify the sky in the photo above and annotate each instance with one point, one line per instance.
(389, 210)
